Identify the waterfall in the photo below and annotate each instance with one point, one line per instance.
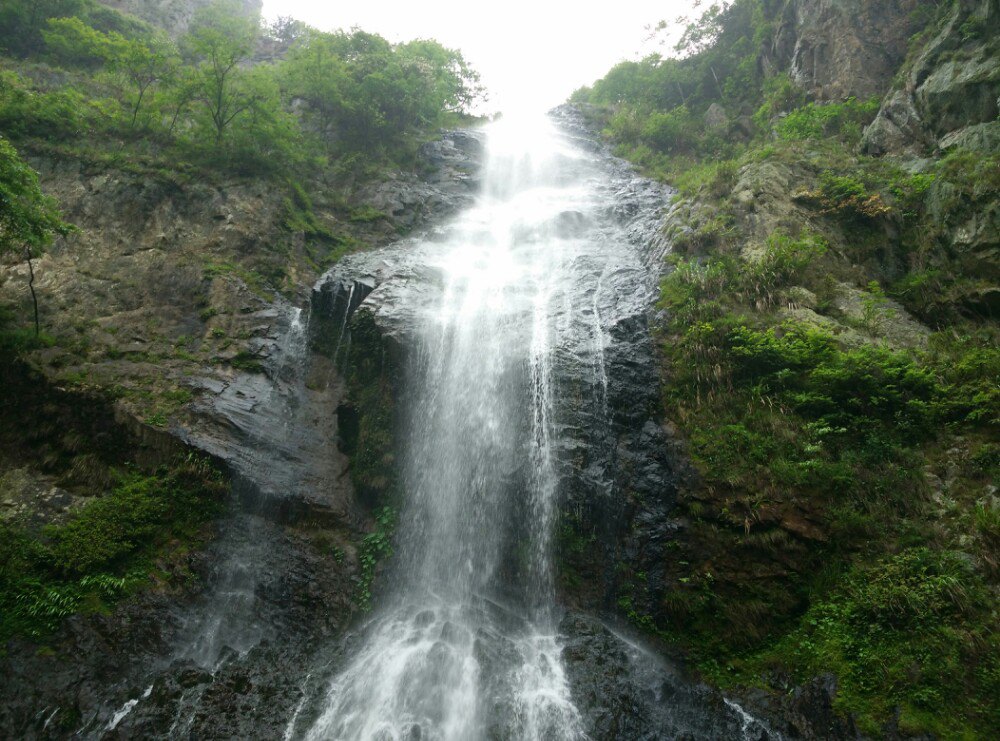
(527, 400)
(507, 316)
(464, 643)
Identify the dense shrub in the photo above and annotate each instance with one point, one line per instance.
(822, 121)
(105, 548)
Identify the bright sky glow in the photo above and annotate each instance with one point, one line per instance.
(531, 53)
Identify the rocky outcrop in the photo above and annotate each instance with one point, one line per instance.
(164, 288)
(625, 691)
(167, 292)
(447, 179)
(949, 94)
(615, 481)
(174, 16)
(835, 49)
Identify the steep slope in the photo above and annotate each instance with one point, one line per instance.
(829, 347)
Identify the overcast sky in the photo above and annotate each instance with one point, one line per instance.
(530, 53)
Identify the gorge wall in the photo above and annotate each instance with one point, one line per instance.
(179, 301)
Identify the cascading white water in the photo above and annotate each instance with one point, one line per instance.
(464, 645)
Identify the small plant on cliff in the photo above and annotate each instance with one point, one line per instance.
(842, 120)
(847, 197)
(375, 548)
(28, 219)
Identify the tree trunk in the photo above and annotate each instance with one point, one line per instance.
(31, 287)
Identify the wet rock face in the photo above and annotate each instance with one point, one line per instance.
(625, 692)
(448, 180)
(100, 664)
(616, 483)
(803, 712)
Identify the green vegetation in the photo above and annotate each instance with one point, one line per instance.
(107, 548)
(842, 520)
(105, 80)
(842, 121)
(914, 630)
(815, 452)
(28, 219)
(375, 548)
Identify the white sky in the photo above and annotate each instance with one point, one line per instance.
(530, 54)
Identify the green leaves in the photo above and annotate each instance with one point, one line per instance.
(903, 631)
(818, 121)
(105, 549)
(375, 548)
(363, 94)
(28, 219)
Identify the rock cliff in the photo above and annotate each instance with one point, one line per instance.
(173, 16)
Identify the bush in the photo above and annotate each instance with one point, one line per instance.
(106, 548)
(58, 115)
(819, 121)
(902, 633)
(672, 131)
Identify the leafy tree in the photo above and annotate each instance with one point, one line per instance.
(135, 65)
(141, 66)
(451, 85)
(220, 43)
(363, 94)
(56, 115)
(74, 43)
(22, 22)
(28, 219)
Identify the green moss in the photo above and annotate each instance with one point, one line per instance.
(107, 549)
(370, 372)
(247, 362)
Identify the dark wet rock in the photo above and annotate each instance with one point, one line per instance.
(100, 664)
(624, 691)
(447, 181)
(804, 712)
(283, 418)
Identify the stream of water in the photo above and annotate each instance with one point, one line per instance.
(465, 644)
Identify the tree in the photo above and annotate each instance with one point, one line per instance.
(141, 66)
(72, 42)
(367, 95)
(23, 21)
(28, 218)
(221, 41)
(135, 65)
